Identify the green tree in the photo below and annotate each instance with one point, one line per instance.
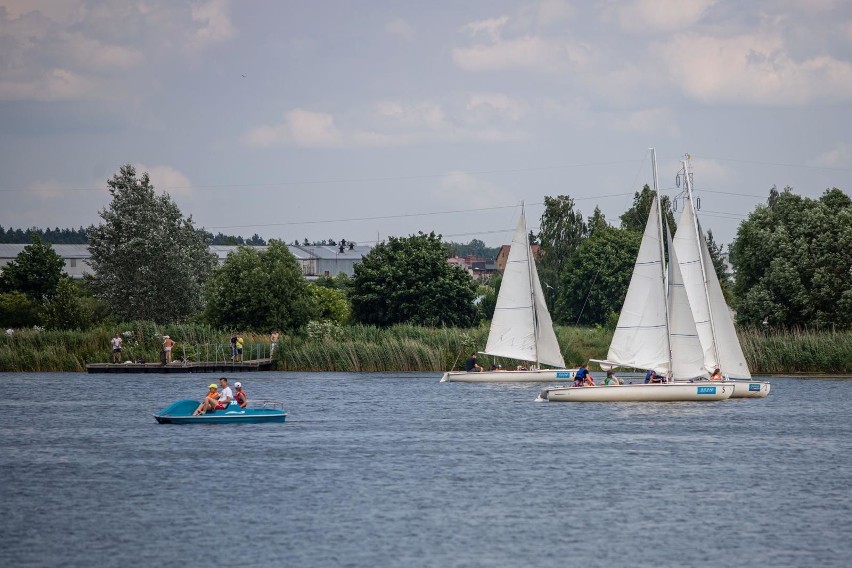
(259, 290)
(408, 280)
(489, 292)
(793, 261)
(36, 271)
(595, 279)
(561, 232)
(597, 221)
(17, 310)
(636, 217)
(331, 304)
(150, 262)
(70, 308)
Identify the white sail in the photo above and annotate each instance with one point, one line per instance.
(687, 354)
(731, 358)
(548, 347)
(686, 245)
(640, 338)
(521, 327)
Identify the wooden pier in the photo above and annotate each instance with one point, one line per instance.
(224, 367)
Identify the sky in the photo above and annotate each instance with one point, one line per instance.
(363, 119)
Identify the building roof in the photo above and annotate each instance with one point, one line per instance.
(12, 250)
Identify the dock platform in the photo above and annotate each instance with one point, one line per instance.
(224, 367)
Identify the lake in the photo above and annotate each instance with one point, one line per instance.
(399, 470)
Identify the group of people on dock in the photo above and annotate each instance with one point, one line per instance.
(237, 345)
(220, 400)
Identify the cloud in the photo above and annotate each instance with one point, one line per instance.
(709, 173)
(400, 28)
(216, 26)
(166, 179)
(496, 104)
(492, 52)
(551, 12)
(300, 128)
(654, 16)
(839, 157)
(651, 121)
(752, 69)
(466, 190)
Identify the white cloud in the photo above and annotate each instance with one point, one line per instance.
(490, 51)
(166, 179)
(496, 104)
(752, 69)
(300, 128)
(215, 21)
(708, 173)
(839, 157)
(66, 11)
(490, 28)
(653, 16)
(551, 12)
(400, 28)
(652, 121)
(466, 190)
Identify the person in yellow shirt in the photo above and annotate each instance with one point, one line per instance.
(239, 348)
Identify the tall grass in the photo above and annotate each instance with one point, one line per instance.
(398, 348)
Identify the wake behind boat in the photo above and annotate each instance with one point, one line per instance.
(521, 328)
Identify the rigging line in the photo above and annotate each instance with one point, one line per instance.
(349, 180)
(591, 287)
(838, 168)
(399, 216)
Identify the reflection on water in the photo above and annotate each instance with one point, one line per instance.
(390, 470)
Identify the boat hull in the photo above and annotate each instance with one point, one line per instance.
(750, 389)
(666, 392)
(537, 376)
(181, 413)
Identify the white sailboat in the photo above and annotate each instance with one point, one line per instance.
(655, 330)
(521, 328)
(713, 321)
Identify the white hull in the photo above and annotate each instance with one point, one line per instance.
(749, 389)
(666, 392)
(537, 376)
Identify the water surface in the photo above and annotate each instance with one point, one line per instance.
(399, 470)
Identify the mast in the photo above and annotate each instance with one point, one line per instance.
(663, 275)
(699, 237)
(532, 286)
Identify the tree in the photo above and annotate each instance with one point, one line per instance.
(36, 271)
(17, 310)
(408, 280)
(331, 304)
(150, 262)
(719, 265)
(636, 217)
(259, 290)
(595, 279)
(793, 261)
(560, 233)
(597, 221)
(70, 308)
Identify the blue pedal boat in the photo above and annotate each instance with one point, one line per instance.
(181, 411)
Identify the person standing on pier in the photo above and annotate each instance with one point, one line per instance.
(273, 341)
(116, 348)
(168, 343)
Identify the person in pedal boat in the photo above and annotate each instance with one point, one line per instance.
(209, 401)
(240, 395)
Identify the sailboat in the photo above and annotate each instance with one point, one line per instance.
(521, 328)
(655, 331)
(713, 321)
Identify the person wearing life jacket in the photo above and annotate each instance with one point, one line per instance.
(240, 395)
(209, 401)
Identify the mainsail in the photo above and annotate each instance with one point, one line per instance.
(687, 354)
(521, 327)
(709, 310)
(640, 339)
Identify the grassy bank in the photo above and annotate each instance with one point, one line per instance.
(399, 348)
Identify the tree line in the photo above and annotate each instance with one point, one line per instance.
(792, 258)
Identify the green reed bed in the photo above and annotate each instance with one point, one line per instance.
(797, 351)
(327, 347)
